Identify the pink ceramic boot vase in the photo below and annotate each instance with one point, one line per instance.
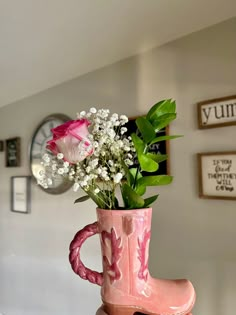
(127, 286)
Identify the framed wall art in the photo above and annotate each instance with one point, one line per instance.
(160, 148)
(217, 175)
(13, 152)
(1, 145)
(20, 194)
(217, 112)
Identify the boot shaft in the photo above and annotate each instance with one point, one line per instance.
(125, 237)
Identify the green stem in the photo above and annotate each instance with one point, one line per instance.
(139, 168)
(96, 198)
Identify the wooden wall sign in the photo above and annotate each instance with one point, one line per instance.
(217, 112)
(217, 175)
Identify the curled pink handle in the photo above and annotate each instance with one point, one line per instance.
(74, 257)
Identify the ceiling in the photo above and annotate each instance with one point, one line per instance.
(44, 43)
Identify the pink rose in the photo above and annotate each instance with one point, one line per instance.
(71, 139)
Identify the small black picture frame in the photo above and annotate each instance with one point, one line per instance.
(20, 194)
(1, 145)
(13, 152)
(160, 148)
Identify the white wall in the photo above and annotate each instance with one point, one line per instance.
(191, 237)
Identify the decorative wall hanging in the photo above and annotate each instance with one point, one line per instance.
(1, 146)
(161, 147)
(20, 194)
(217, 175)
(217, 112)
(13, 152)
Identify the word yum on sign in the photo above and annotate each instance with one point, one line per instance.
(217, 112)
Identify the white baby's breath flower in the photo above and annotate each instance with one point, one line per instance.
(88, 169)
(60, 171)
(99, 170)
(60, 156)
(120, 143)
(93, 110)
(46, 157)
(66, 170)
(104, 174)
(123, 130)
(71, 173)
(103, 113)
(108, 124)
(96, 190)
(124, 119)
(81, 174)
(117, 178)
(128, 162)
(66, 164)
(110, 162)
(86, 178)
(93, 163)
(54, 166)
(114, 117)
(75, 187)
(82, 114)
(111, 133)
(83, 183)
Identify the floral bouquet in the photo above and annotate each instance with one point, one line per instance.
(95, 153)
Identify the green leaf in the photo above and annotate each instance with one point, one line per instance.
(131, 199)
(81, 199)
(133, 172)
(150, 200)
(158, 157)
(140, 190)
(164, 138)
(147, 164)
(138, 143)
(161, 108)
(145, 127)
(163, 121)
(155, 180)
